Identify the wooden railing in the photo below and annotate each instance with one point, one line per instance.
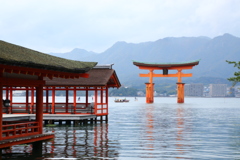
(19, 129)
(59, 108)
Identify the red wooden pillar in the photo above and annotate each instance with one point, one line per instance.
(47, 100)
(7, 93)
(27, 101)
(180, 92)
(39, 107)
(95, 100)
(74, 99)
(53, 100)
(149, 92)
(101, 98)
(86, 89)
(1, 107)
(32, 100)
(107, 98)
(7, 97)
(11, 99)
(66, 99)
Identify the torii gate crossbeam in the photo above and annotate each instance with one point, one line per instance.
(165, 67)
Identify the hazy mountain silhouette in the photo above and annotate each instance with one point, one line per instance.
(212, 53)
(75, 54)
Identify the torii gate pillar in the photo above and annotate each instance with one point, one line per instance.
(180, 92)
(149, 92)
(165, 67)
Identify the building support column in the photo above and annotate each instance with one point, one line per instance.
(74, 100)
(1, 108)
(47, 100)
(39, 107)
(106, 96)
(66, 99)
(96, 100)
(11, 100)
(27, 100)
(86, 89)
(180, 92)
(53, 100)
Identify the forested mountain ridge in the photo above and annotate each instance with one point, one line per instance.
(212, 53)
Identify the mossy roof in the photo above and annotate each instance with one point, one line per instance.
(15, 55)
(97, 77)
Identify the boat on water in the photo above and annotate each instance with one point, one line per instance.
(121, 100)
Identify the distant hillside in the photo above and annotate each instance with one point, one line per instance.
(212, 52)
(75, 54)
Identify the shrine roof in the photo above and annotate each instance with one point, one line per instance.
(97, 77)
(166, 65)
(14, 55)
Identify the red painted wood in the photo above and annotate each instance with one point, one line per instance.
(53, 100)
(39, 106)
(40, 72)
(1, 105)
(74, 100)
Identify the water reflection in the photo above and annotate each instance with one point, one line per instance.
(198, 129)
(164, 130)
(149, 131)
(180, 132)
(89, 141)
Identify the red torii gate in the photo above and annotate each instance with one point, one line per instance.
(165, 67)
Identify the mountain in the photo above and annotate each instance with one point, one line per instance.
(212, 53)
(75, 54)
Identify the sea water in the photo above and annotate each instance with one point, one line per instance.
(200, 128)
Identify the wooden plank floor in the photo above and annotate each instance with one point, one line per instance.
(16, 117)
(27, 139)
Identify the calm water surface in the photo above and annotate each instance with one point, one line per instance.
(201, 128)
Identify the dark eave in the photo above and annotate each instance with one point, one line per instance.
(165, 65)
(98, 77)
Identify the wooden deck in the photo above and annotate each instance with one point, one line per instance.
(16, 117)
(23, 140)
(47, 118)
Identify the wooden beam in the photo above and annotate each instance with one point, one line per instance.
(169, 75)
(40, 72)
(21, 82)
(1, 107)
(169, 68)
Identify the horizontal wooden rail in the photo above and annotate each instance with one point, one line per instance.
(18, 130)
(59, 108)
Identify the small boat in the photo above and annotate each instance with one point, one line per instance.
(121, 100)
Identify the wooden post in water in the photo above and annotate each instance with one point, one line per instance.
(39, 106)
(180, 92)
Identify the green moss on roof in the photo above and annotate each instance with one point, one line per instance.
(11, 54)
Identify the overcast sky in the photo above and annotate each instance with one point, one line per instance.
(95, 25)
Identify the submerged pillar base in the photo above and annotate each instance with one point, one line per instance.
(149, 92)
(180, 92)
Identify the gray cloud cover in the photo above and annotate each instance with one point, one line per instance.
(95, 25)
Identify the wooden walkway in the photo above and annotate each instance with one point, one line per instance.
(14, 117)
(51, 118)
(48, 119)
(27, 139)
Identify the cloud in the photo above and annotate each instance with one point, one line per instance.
(60, 25)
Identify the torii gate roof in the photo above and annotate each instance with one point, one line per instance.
(166, 65)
